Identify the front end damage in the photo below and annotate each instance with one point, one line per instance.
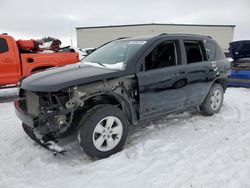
(48, 116)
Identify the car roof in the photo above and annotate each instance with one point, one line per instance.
(150, 37)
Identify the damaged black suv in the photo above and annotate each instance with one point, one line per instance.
(121, 83)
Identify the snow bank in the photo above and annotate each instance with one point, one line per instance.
(180, 150)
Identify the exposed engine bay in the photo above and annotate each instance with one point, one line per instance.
(54, 113)
(50, 115)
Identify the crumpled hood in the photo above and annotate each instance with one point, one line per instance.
(56, 79)
(240, 49)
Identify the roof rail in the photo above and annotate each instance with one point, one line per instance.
(162, 34)
(122, 38)
(112, 41)
(4, 33)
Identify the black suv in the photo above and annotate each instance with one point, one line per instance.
(121, 83)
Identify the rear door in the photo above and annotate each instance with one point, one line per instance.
(200, 68)
(8, 64)
(162, 81)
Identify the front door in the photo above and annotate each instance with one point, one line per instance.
(8, 65)
(162, 80)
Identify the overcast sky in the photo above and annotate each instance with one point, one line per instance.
(58, 18)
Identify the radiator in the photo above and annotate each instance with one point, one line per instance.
(32, 102)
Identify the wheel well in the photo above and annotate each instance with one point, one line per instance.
(222, 82)
(37, 69)
(105, 99)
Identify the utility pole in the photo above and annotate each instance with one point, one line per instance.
(71, 33)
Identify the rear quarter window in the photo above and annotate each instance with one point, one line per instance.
(210, 50)
(195, 51)
(3, 46)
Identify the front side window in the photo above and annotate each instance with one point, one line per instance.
(3, 46)
(194, 51)
(115, 54)
(163, 55)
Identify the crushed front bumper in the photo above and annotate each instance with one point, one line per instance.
(47, 142)
(28, 120)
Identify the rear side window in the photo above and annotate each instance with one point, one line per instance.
(210, 50)
(3, 46)
(194, 51)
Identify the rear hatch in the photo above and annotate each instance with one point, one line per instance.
(240, 52)
(240, 49)
(240, 73)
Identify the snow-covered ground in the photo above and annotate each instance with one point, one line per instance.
(180, 150)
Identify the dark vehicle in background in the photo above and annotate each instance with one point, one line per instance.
(121, 83)
(240, 66)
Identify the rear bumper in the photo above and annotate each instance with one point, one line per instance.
(23, 116)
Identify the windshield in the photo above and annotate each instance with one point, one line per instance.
(115, 54)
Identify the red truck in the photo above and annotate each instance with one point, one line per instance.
(16, 62)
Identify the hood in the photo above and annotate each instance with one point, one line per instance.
(56, 79)
(240, 49)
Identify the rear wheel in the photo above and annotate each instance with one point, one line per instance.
(103, 131)
(214, 100)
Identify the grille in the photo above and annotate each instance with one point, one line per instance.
(32, 103)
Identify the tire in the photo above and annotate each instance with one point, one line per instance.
(214, 100)
(96, 131)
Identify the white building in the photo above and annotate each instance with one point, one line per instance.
(96, 36)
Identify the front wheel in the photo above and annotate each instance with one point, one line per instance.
(103, 131)
(214, 100)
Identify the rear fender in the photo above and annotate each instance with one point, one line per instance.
(222, 82)
(30, 69)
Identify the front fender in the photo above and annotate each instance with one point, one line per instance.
(124, 101)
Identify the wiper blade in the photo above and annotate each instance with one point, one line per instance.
(99, 63)
(91, 62)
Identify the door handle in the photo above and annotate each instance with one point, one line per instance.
(182, 72)
(7, 60)
(180, 83)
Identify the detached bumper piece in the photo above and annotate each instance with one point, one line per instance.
(47, 142)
